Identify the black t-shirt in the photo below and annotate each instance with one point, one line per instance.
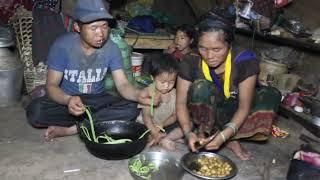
(244, 65)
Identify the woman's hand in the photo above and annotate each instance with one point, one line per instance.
(75, 106)
(192, 139)
(220, 139)
(215, 143)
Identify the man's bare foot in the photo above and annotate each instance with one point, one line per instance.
(58, 131)
(236, 148)
(168, 144)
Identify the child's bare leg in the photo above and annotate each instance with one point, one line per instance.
(175, 134)
(58, 131)
(168, 141)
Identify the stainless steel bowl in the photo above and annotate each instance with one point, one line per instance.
(189, 163)
(166, 166)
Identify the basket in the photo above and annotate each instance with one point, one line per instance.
(21, 22)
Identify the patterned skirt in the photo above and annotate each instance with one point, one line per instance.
(210, 110)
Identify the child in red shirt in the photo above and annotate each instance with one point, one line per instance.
(182, 42)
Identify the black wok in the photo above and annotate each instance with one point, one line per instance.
(313, 104)
(116, 129)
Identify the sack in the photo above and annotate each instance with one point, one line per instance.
(47, 26)
(265, 8)
(66, 6)
(116, 37)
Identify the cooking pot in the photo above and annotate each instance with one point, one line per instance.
(117, 129)
(6, 36)
(11, 69)
(313, 104)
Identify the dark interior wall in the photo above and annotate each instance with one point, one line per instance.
(178, 9)
(308, 12)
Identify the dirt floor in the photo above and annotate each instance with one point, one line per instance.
(25, 155)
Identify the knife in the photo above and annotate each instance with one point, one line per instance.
(199, 146)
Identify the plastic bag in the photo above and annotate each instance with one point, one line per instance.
(147, 3)
(137, 9)
(116, 37)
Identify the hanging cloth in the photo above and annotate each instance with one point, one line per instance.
(210, 75)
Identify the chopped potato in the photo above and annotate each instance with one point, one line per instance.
(213, 167)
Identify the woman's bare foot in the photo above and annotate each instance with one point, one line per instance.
(236, 148)
(58, 131)
(168, 144)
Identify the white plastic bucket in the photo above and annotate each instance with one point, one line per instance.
(136, 61)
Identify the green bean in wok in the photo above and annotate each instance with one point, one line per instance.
(109, 140)
(88, 112)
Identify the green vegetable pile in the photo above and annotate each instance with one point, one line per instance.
(143, 170)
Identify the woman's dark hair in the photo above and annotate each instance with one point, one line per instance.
(163, 63)
(214, 23)
(188, 29)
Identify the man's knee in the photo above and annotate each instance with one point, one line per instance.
(33, 112)
(133, 112)
(129, 111)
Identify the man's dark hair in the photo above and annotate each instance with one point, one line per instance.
(163, 63)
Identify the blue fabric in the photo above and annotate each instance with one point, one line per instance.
(82, 74)
(245, 55)
(216, 80)
(142, 24)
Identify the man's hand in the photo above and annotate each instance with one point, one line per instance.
(145, 97)
(75, 106)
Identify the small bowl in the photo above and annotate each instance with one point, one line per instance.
(166, 167)
(189, 163)
(116, 129)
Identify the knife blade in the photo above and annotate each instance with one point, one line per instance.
(199, 146)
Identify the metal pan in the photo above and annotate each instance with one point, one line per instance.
(190, 164)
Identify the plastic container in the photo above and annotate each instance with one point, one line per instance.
(136, 61)
(11, 77)
(298, 109)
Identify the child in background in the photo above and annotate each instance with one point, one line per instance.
(182, 42)
(164, 70)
